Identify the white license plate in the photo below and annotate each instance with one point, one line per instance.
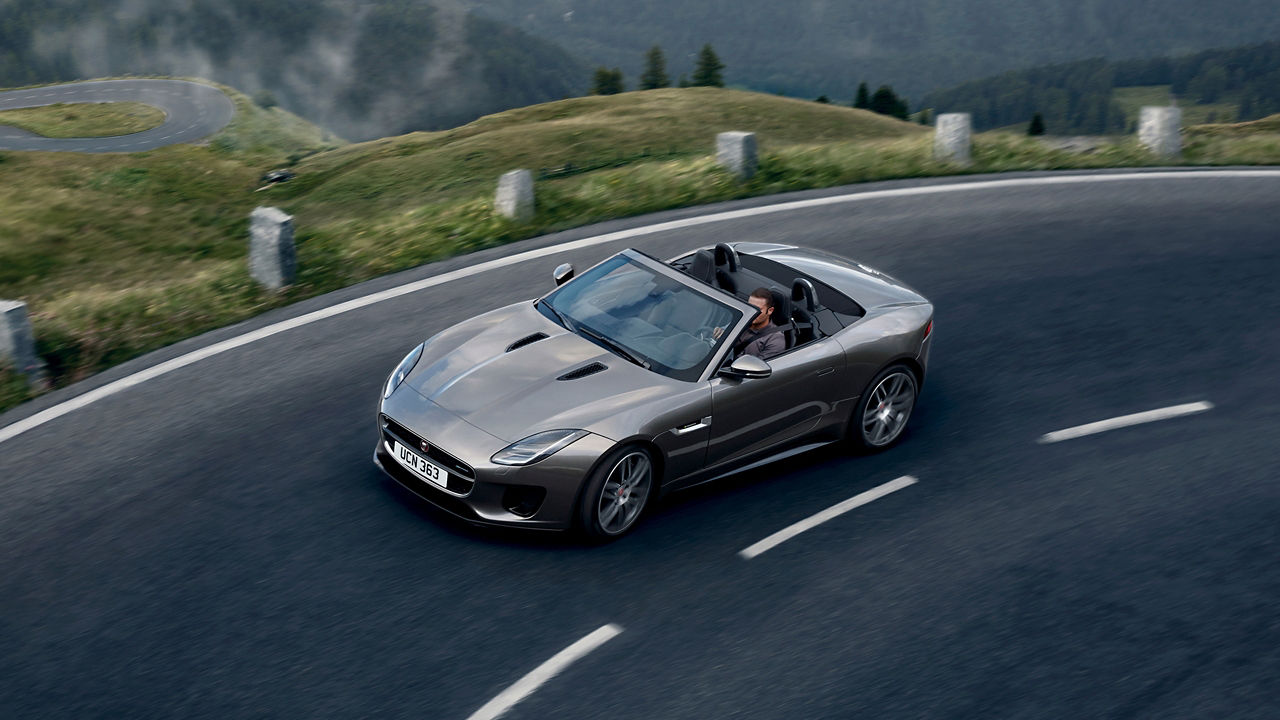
(420, 465)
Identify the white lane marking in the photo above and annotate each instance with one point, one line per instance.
(836, 510)
(525, 686)
(57, 411)
(1125, 421)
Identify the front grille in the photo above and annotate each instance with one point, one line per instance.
(461, 476)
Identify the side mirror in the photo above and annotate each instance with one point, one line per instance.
(748, 367)
(563, 274)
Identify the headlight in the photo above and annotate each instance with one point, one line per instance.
(537, 447)
(402, 371)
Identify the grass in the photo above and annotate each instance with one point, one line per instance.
(117, 255)
(74, 120)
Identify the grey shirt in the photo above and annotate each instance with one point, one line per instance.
(763, 343)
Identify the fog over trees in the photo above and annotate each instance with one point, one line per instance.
(361, 69)
(808, 47)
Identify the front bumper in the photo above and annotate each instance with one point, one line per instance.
(543, 495)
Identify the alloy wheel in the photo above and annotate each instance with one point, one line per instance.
(624, 493)
(888, 409)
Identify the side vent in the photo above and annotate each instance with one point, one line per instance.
(583, 371)
(531, 339)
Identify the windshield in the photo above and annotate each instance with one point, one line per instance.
(672, 329)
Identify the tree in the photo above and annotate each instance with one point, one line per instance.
(823, 99)
(607, 82)
(863, 100)
(709, 71)
(1037, 125)
(655, 70)
(886, 102)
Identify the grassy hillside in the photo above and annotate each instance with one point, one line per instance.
(120, 254)
(78, 120)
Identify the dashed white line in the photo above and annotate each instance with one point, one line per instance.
(526, 685)
(92, 396)
(815, 520)
(1125, 421)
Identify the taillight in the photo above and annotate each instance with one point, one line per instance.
(927, 329)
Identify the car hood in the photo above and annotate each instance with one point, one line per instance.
(473, 371)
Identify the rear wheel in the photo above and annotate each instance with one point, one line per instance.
(617, 493)
(884, 409)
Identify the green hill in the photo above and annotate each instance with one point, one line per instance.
(120, 254)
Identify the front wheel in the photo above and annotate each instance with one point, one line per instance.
(616, 493)
(884, 409)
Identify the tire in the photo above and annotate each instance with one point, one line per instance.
(884, 409)
(617, 493)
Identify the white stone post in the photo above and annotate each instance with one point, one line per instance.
(1159, 130)
(952, 138)
(515, 195)
(17, 343)
(272, 259)
(736, 152)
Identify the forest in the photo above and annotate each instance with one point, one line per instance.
(1079, 98)
(807, 48)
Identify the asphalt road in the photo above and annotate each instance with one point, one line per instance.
(216, 542)
(193, 112)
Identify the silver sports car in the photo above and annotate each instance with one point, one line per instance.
(642, 376)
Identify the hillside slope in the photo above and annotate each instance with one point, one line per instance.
(363, 70)
(564, 137)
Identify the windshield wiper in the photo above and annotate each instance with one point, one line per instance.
(568, 325)
(614, 346)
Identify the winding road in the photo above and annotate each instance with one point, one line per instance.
(193, 112)
(201, 533)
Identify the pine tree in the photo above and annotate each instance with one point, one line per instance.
(823, 99)
(684, 81)
(863, 101)
(655, 70)
(709, 72)
(886, 102)
(607, 82)
(1037, 125)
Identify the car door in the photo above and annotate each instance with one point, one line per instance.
(751, 417)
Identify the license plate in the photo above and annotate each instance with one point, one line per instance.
(420, 465)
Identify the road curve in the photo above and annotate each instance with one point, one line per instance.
(193, 112)
(215, 542)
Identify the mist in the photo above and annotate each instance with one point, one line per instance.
(360, 69)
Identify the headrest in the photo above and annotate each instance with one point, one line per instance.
(703, 267)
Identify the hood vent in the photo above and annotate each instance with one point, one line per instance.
(529, 340)
(583, 371)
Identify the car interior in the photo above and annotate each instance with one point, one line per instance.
(805, 308)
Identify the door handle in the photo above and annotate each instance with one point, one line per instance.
(826, 371)
(686, 429)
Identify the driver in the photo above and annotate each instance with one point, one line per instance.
(761, 338)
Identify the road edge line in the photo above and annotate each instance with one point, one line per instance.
(527, 685)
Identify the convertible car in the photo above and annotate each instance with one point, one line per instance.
(577, 409)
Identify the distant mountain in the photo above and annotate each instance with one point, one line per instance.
(812, 47)
(1242, 83)
(361, 69)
